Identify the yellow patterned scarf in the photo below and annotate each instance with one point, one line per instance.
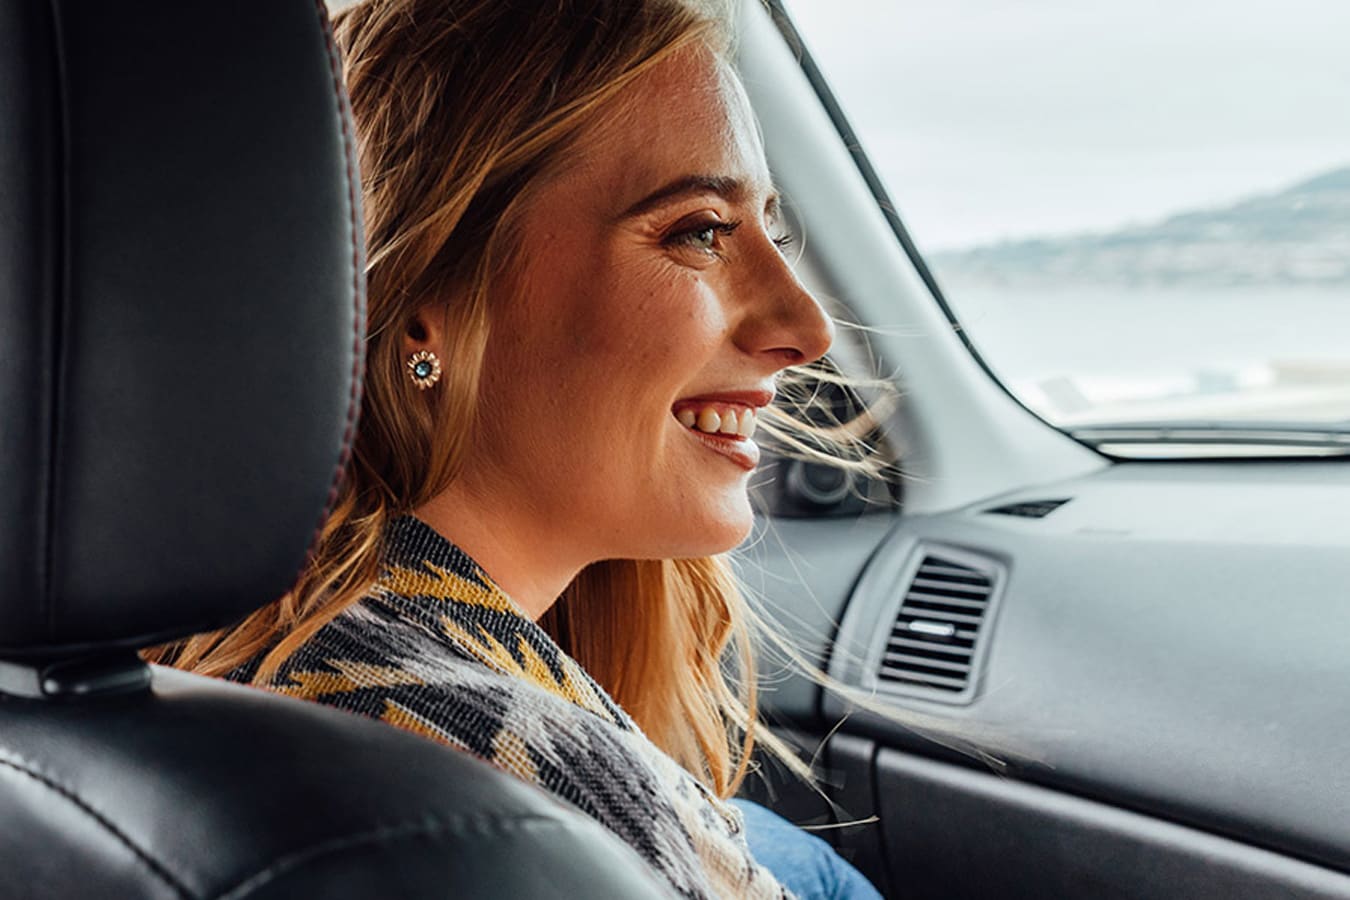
(437, 648)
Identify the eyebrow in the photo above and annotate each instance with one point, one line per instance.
(733, 190)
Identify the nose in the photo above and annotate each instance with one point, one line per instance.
(782, 324)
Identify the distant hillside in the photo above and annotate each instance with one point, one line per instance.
(1297, 236)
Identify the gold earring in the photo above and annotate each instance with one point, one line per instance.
(425, 369)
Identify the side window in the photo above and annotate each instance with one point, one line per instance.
(1139, 211)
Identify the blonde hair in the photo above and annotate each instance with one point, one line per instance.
(460, 106)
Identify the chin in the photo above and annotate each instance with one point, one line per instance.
(725, 528)
(705, 529)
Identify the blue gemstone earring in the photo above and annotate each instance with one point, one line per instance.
(425, 369)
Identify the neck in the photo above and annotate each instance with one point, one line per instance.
(525, 563)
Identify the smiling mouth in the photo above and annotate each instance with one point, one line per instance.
(722, 420)
(723, 427)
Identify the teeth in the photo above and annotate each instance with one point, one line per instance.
(709, 420)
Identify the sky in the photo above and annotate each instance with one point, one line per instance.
(1000, 119)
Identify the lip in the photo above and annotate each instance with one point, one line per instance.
(755, 399)
(741, 451)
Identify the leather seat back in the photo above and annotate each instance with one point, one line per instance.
(181, 334)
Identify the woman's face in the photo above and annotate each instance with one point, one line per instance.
(650, 308)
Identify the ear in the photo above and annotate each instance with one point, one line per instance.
(426, 331)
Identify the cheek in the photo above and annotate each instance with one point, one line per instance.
(597, 350)
(654, 330)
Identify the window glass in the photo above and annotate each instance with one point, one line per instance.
(1139, 210)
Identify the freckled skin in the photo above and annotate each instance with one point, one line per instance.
(606, 323)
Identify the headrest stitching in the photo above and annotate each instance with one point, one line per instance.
(60, 316)
(358, 278)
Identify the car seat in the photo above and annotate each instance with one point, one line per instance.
(181, 337)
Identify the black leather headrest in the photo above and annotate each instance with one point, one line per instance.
(181, 312)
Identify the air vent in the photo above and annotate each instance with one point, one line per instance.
(1029, 509)
(933, 643)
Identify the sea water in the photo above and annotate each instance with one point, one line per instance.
(1068, 349)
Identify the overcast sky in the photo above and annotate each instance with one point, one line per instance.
(1011, 118)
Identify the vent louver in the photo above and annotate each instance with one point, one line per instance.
(932, 645)
(1029, 509)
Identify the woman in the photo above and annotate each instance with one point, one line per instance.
(577, 312)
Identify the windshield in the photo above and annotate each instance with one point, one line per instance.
(1138, 211)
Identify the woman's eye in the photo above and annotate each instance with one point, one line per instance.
(704, 237)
